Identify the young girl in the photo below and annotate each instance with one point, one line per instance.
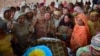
(80, 36)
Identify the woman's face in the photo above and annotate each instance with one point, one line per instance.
(66, 19)
(65, 11)
(7, 14)
(42, 9)
(29, 15)
(34, 12)
(94, 18)
(79, 22)
(47, 16)
(21, 19)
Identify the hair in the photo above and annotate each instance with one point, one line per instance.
(69, 16)
(61, 5)
(18, 8)
(72, 4)
(68, 23)
(52, 4)
(13, 8)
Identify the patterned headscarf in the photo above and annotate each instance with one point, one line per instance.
(95, 42)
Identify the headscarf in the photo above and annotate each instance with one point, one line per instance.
(95, 42)
(23, 3)
(3, 11)
(17, 15)
(84, 19)
(57, 12)
(27, 10)
(94, 13)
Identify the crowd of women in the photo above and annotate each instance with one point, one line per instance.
(77, 25)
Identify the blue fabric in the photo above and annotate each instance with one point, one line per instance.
(44, 48)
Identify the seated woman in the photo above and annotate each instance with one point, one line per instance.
(80, 35)
(91, 50)
(5, 44)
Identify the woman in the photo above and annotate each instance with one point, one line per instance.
(92, 22)
(66, 26)
(80, 35)
(67, 21)
(21, 30)
(91, 50)
(5, 44)
(65, 11)
(29, 15)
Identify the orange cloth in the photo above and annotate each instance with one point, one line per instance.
(80, 35)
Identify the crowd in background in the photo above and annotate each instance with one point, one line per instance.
(77, 25)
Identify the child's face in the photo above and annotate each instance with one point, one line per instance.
(79, 22)
(66, 19)
(47, 16)
(21, 19)
(65, 11)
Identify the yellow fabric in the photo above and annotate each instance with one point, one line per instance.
(94, 13)
(91, 27)
(37, 52)
(97, 26)
(5, 45)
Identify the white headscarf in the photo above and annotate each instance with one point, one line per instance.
(17, 15)
(27, 10)
(2, 12)
(32, 6)
(23, 3)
